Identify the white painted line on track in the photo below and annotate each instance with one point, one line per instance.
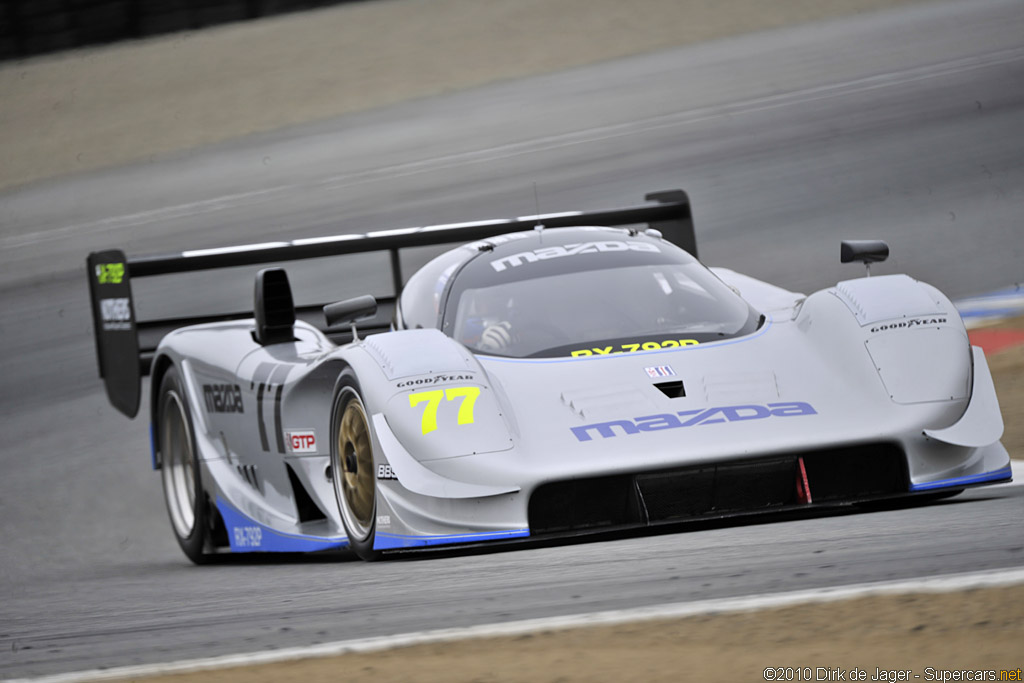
(930, 584)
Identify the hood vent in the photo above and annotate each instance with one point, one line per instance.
(593, 403)
(754, 386)
(672, 389)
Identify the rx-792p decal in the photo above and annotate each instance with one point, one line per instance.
(638, 346)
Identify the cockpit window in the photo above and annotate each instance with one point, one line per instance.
(598, 311)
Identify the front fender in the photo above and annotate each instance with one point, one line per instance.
(893, 338)
(436, 399)
(914, 336)
(419, 479)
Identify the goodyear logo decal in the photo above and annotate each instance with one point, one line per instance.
(655, 423)
(433, 379)
(109, 273)
(907, 324)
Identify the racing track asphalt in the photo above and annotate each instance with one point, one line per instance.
(905, 126)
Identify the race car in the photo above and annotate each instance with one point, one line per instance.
(555, 374)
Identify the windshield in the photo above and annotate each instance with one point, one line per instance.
(599, 312)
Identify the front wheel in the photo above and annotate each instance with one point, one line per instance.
(182, 483)
(355, 485)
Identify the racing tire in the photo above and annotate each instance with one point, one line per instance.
(186, 501)
(352, 465)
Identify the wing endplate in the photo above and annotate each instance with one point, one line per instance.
(113, 321)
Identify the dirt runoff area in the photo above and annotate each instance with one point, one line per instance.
(887, 638)
(1007, 366)
(979, 630)
(99, 107)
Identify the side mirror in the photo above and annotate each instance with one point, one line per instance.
(350, 310)
(865, 251)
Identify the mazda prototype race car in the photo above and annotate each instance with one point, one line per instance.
(552, 376)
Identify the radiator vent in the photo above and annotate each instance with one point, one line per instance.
(836, 475)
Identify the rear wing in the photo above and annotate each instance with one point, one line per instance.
(125, 345)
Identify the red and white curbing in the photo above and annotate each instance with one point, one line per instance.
(980, 313)
(990, 308)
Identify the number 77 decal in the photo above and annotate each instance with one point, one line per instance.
(433, 400)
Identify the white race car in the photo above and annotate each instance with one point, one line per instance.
(561, 379)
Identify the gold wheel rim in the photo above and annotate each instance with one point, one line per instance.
(356, 465)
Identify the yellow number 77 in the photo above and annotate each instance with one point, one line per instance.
(433, 400)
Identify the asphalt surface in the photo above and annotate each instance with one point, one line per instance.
(906, 126)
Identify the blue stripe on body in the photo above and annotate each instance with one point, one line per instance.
(246, 535)
(1003, 473)
(386, 541)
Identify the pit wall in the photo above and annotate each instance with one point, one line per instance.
(32, 27)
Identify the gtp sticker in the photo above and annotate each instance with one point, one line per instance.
(301, 440)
